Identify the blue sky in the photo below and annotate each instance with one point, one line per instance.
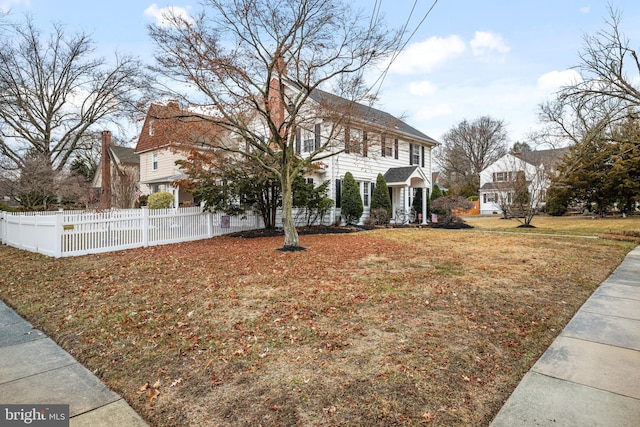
(468, 58)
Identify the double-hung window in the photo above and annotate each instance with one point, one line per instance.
(414, 154)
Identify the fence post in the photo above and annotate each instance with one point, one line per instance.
(145, 226)
(209, 218)
(3, 227)
(57, 247)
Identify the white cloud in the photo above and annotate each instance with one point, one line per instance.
(6, 5)
(552, 81)
(485, 42)
(160, 14)
(427, 55)
(422, 88)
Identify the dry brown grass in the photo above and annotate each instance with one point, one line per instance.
(390, 327)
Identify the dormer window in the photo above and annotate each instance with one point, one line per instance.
(151, 127)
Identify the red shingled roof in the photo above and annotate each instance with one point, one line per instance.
(170, 126)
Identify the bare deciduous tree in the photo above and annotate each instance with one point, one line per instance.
(53, 91)
(254, 65)
(39, 186)
(468, 148)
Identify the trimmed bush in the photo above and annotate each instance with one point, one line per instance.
(351, 207)
(160, 200)
(381, 201)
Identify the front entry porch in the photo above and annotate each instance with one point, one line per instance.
(405, 184)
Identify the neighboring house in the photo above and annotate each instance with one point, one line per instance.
(118, 174)
(168, 135)
(498, 179)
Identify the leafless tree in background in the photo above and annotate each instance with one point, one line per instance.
(53, 91)
(468, 148)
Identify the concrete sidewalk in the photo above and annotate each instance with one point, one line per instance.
(35, 370)
(590, 375)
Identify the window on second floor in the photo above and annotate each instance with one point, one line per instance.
(311, 138)
(502, 176)
(387, 148)
(414, 154)
(154, 161)
(355, 141)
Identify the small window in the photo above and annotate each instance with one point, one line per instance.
(387, 148)
(365, 193)
(309, 181)
(154, 161)
(396, 148)
(414, 154)
(308, 141)
(152, 130)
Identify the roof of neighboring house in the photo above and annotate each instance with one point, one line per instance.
(125, 155)
(549, 158)
(369, 114)
(171, 126)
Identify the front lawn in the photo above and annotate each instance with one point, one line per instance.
(385, 327)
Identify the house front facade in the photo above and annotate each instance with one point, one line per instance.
(368, 143)
(372, 142)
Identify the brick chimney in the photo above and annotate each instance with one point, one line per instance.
(105, 194)
(276, 105)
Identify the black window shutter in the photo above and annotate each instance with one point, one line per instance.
(298, 141)
(338, 193)
(382, 144)
(317, 135)
(422, 155)
(410, 154)
(395, 149)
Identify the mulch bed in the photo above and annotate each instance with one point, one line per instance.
(338, 229)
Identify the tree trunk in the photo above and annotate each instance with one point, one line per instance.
(291, 240)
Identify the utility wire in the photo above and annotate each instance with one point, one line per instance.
(383, 75)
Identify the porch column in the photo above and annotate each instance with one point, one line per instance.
(424, 205)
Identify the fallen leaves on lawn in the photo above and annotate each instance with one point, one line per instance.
(375, 328)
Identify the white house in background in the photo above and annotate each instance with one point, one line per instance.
(498, 179)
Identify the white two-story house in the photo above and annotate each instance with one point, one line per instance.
(371, 142)
(497, 181)
(366, 143)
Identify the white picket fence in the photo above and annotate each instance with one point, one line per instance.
(73, 233)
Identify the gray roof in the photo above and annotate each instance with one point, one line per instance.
(125, 154)
(399, 174)
(369, 114)
(549, 158)
(165, 179)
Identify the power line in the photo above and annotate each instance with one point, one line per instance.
(383, 75)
